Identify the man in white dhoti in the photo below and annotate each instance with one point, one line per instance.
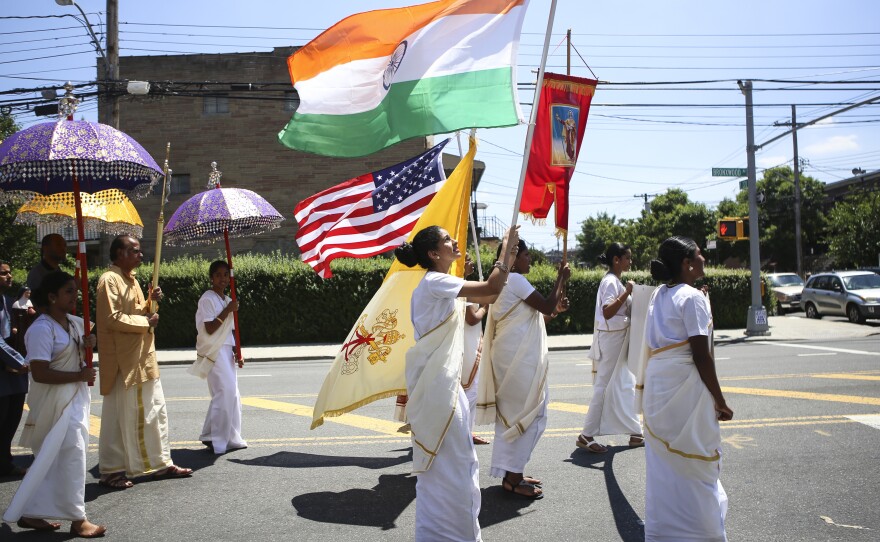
(57, 426)
(134, 421)
(681, 404)
(513, 385)
(613, 405)
(444, 457)
(221, 432)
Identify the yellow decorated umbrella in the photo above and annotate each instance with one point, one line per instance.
(107, 211)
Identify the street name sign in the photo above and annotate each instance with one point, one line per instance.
(729, 172)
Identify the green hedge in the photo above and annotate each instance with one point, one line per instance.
(284, 302)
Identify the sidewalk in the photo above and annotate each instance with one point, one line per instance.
(782, 328)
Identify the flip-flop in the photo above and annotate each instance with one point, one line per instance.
(172, 472)
(590, 445)
(116, 481)
(636, 442)
(534, 496)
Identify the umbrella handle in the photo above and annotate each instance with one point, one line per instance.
(82, 264)
(238, 358)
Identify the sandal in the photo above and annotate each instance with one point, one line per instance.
(590, 445)
(479, 440)
(510, 487)
(534, 481)
(172, 472)
(636, 441)
(117, 480)
(37, 524)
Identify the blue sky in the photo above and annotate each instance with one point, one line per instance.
(640, 139)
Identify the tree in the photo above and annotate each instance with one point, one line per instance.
(16, 242)
(776, 220)
(853, 230)
(596, 234)
(670, 214)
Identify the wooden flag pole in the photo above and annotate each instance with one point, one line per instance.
(533, 116)
(160, 226)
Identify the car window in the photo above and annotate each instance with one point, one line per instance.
(836, 284)
(862, 282)
(787, 280)
(819, 283)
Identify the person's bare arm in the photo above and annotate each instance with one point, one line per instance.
(43, 374)
(706, 367)
(549, 304)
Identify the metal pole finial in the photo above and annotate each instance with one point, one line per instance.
(68, 103)
(214, 176)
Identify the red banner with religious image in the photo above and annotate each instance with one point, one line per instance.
(559, 129)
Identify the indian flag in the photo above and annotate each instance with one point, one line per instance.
(380, 77)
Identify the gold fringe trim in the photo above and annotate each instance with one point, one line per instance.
(344, 410)
(536, 221)
(570, 86)
(561, 232)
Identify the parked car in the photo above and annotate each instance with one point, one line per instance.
(854, 294)
(871, 269)
(787, 289)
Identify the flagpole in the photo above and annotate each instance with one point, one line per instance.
(532, 117)
(471, 208)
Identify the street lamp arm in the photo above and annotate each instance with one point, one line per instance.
(85, 22)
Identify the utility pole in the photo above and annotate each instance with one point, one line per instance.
(757, 315)
(797, 195)
(645, 196)
(113, 61)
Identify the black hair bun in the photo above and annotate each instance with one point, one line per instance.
(659, 271)
(406, 255)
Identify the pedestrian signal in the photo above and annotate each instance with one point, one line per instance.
(727, 229)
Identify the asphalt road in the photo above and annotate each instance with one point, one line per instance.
(800, 460)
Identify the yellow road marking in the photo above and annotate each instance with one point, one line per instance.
(560, 386)
(854, 399)
(844, 376)
(94, 425)
(823, 433)
(353, 420)
(568, 407)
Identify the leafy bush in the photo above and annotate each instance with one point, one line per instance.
(284, 302)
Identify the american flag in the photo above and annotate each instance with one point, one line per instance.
(367, 215)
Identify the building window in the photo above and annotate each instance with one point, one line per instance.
(215, 105)
(179, 184)
(291, 101)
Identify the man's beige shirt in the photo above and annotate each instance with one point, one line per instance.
(125, 344)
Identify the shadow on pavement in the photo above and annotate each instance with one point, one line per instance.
(6, 533)
(629, 524)
(297, 460)
(376, 507)
(192, 459)
(499, 505)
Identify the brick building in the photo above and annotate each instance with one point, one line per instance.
(229, 108)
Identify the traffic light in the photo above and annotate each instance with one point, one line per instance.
(727, 228)
(733, 228)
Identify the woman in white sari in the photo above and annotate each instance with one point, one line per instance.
(221, 431)
(682, 404)
(513, 385)
(57, 426)
(613, 406)
(444, 457)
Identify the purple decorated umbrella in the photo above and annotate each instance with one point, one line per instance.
(221, 212)
(74, 156)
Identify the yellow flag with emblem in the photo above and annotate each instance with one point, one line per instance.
(370, 364)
